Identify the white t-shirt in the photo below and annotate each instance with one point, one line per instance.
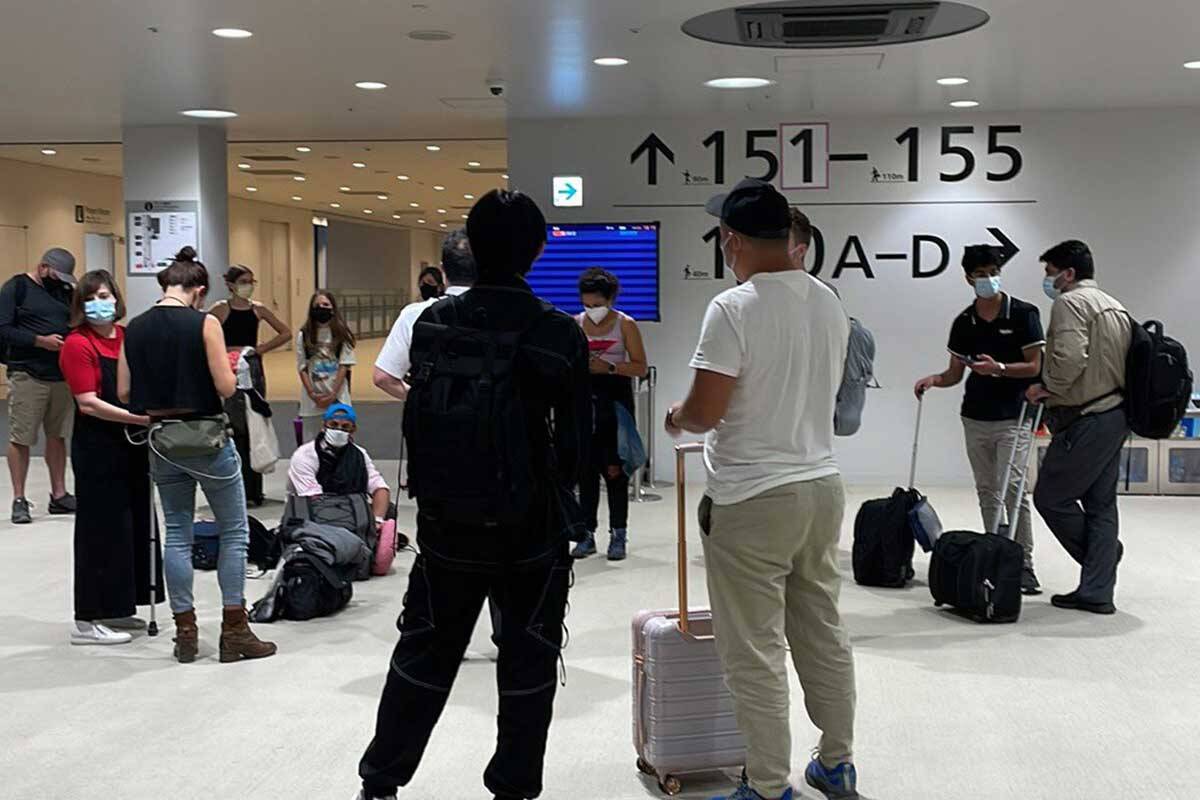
(322, 369)
(394, 358)
(784, 336)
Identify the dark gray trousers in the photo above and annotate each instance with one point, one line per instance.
(1076, 495)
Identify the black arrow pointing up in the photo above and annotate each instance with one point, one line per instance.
(1008, 247)
(652, 146)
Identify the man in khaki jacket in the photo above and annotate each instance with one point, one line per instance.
(1082, 386)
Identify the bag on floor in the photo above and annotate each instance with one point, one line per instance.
(350, 512)
(857, 377)
(925, 525)
(1158, 383)
(883, 540)
(206, 545)
(980, 573)
(265, 547)
(305, 587)
(683, 718)
(386, 548)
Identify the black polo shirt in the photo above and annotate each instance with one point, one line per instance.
(1019, 326)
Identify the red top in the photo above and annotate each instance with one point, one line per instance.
(78, 359)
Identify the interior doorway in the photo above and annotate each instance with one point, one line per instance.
(98, 252)
(275, 268)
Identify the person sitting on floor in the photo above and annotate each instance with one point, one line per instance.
(333, 464)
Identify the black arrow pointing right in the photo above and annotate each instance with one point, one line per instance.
(1008, 247)
(652, 146)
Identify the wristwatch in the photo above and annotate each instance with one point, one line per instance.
(1003, 369)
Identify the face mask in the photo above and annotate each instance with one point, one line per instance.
(730, 264)
(100, 312)
(336, 439)
(322, 315)
(430, 292)
(1049, 287)
(987, 288)
(244, 290)
(597, 314)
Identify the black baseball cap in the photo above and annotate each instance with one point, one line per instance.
(754, 208)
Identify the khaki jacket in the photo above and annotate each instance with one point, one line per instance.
(1086, 345)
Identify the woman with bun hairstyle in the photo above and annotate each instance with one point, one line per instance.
(112, 482)
(173, 368)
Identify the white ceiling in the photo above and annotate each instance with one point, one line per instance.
(78, 71)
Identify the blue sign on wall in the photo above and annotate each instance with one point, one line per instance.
(629, 250)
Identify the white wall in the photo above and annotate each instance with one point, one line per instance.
(1128, 183)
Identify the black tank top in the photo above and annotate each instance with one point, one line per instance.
(241, 328)
(168, 365)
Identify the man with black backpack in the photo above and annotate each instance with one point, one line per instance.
(497, 422)
(1082, 385)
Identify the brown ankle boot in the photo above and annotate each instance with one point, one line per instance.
(187, 637)
(238, 641)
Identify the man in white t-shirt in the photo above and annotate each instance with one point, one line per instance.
(391, 368)
(767, 372)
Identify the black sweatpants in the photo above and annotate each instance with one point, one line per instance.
(441, 608)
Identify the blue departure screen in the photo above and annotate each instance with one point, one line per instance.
(628, 250)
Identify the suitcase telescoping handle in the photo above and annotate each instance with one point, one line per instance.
(1012, 464)
(681, 453)
(912, 471)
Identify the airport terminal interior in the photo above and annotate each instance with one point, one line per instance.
(332, 147)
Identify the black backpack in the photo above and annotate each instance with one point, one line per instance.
(1158, 383)
(311, 588)
(465, 429)
(883, 540)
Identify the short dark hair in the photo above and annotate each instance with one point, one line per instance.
(976, 256)
(457, 260)
(185, 271)
(507, 231)
(87, 287)
(1072, 254)
(601, 282)
(431, 272)
(237, 271)
(801, 227)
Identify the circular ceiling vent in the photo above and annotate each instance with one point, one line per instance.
(431, 36)
(805, 24)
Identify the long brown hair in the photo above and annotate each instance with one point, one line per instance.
(337, 326)
(89, 284)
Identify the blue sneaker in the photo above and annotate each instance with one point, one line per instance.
(616, 544)
(744, 792)
(585, 548)
(839, 783)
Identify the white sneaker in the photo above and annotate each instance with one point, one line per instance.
(125, 623)
(93, 633)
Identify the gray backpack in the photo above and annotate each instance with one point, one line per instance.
(858, 376)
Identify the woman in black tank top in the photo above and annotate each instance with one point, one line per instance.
(172, 366)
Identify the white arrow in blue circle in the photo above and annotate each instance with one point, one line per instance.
(569, 191)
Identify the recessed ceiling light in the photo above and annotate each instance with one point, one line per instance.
(358, 165)
(251, 188)
(382, 196)
(414, 205)
(371, 86)
(335, 205)
(431, 36)
(343, 188)
(738, 83)
(208, 113)
(442, 225)
(49, 151)
(1192, 65)
(395, 216)
(401, 177)
(464, 216)
(243, 166)
(474, 164)
(504, 176)
(953, 81)
(232, 33)
(420, 222)
(433, 148)
(303, 149)
(368, 211)
(441, 211)
(964, 104)
(297, 197)
(468, 197)
(610, 61)
(299, 178)
(437, 187)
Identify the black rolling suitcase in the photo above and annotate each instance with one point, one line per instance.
(883, 534)
(979, 574)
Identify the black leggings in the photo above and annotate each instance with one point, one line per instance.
(618, 497)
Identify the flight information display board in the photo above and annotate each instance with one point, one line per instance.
(629, 250)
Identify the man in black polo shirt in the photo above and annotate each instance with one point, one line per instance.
(999, 339)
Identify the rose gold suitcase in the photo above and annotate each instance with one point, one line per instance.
(683, 719)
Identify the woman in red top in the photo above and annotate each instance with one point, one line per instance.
(112, 523)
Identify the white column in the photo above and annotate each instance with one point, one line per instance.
(182, 163)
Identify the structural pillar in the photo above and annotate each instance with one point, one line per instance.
(175, 177)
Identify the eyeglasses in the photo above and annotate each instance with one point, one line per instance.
(340, 425)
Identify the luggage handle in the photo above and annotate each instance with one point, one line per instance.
(1013, 516)
(681, 453)
(912, 472)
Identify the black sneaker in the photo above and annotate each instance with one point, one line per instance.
(62, 505)
(1029, 582)
(20, 512)
(1075, 603)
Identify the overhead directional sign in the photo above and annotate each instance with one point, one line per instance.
(568, 191)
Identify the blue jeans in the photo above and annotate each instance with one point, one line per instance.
(227, 499)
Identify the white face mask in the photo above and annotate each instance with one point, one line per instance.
(730, 263)
(244, 290)
(987, 288)
(336, 439)
(597, 314)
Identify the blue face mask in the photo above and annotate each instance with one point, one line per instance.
(100, 312)
(1048, 286)
(987, 288)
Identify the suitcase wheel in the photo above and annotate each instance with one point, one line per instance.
(671, 785)
(938, 604)
(645, 768)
